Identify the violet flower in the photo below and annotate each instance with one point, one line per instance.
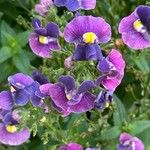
(71, 146)
(73, 5)
(86, 32)
(9, 132)
(135, 28)
(43, 6)
(24, 89)
(67, 98)
(103, 99)
(112, 69)
(44, 40)
(128, 142)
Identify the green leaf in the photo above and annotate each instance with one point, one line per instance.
(111, 133)
(121, 109)
(139, 126)
(22, 38)
(22, 62)
(5, 53)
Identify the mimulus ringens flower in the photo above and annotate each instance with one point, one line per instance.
(68, 98)
(43, 6)
(44, 40)
(112, 69)
(128, 142)
(74, 5)
(9, 132)
(135, 28)
(86, 32)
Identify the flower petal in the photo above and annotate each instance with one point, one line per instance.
(60, 2)
(6, 101)
(20, 80)
(68, 82)
(87, 52)
(72, 5)
(86, 86)
(45, 88)
(88, 4)
(86, 103)
(16, 138)
(75, 29)
(36, 23)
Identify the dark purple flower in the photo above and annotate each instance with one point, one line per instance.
(103, 99)
(128, 142)
(71, 146)
(44, 40)
(43, 6)
(9, 132)
(69, 99)
(24, 89)
(112, 69)
(74, 5)
(87, 32)
(135, 28)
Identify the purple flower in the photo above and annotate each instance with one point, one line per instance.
(74, 5)
(87, 32)
(103, 99)
(71, 146)
(43, 40)
(112, 69)
(24, 89)
(67, 98)
(9, 132)
(128, 142)
(135, 28)
(43, 6)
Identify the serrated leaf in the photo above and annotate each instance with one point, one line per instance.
(139, 126)
(5, 53)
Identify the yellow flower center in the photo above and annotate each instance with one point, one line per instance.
(69, 97)
(11, 128)
(43, 39)
(89, 37)
(107, 105)
(138, 26)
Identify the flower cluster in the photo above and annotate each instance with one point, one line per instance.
(86, 33)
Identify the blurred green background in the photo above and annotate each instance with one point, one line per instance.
(131, 112)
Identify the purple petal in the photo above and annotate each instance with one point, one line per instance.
(138, 144)
(86, 103)
(143, 13)
(72, 5)
(45, 88)
(16, 138)
(35, 100)
(6, 101)
(86, 86)
(117, 60)
(8, 119)
(130, 36)
(21, 97)
(124, 137)
(103, 66)
(20, 80)
(36, 23)
(41, 9)
(40, 78)
(71, 146)
(88, 4)
(41, 31)
(60, 2)
(68, 82)
(87, 52)
(52, 30)
(75, 29)
(58, 96)
(43, 50)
